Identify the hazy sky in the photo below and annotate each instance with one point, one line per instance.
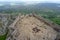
(54, 1)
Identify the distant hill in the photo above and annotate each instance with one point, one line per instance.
(10, 7)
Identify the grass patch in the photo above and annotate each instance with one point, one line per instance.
(56, 20)
(3, 37)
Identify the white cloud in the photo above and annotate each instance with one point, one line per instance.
(1, 4)
(55, 1)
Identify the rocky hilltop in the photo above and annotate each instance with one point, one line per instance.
(32, 27)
